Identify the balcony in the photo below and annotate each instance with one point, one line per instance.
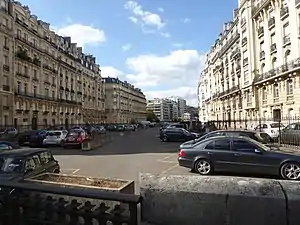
(243, 22)
(25, 75)
(231, 41)
(6, 68)
(5, 88)
(271, 23)
(244, 41)
(245, 61)
(278, 71)
(262, 55)
(260, 32)
(23, 55)
(235, 54)
(286, 40)
(238, 67)
(273, 48)
(284, 12)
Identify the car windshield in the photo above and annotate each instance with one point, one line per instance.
(276, 125)
(260, 145)
(10, 165)
(55, 133)
(185, 131)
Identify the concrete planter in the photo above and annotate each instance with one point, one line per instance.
(105, 184)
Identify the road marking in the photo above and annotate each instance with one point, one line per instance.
(75, 171)
(169, 169)
(164, 158)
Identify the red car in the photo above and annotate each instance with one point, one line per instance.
(75, 138)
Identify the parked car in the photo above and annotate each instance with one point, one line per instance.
(130, 127)
(7, 145)
(177, 134)
(23, 139)
(37, 139)
(238, 154)
(121, 128)
(19, 164)
(291, 134)
(75, 138)
(271, 128)
(101, 129)
(9, 130)
(55, 137)
(257, 136)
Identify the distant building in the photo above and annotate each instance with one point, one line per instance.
(161, 108)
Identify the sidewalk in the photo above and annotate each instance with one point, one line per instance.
(291, 149)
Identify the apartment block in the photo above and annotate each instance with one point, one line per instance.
(252, 70)
(45, 79)
(161, 108)
(124, 102)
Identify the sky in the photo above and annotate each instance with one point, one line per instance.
(157, 45)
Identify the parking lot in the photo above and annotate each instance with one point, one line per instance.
(125, 157)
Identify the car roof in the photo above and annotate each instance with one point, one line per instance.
(234, 131)
(229, 137)
(22, 152)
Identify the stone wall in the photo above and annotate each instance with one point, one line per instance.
(200, 200)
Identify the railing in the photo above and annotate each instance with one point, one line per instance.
(27, 203)
(290, 66)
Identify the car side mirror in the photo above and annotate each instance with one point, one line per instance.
(257, 151)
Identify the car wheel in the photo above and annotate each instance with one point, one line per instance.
(290, 171)
(203, 167)
(165, 139)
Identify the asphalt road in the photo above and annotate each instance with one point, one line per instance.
(124, 158)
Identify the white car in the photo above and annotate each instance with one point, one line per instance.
(55, 137)
(271, 128)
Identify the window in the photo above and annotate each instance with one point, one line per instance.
(264, 93)
(273, 38)
(53, 94)
(261, 46)
(285, 30)
(19, 33)
(241, 145)
(19, 86)
(276, 91)
(6, 60)
(246, 76)
(222, 145)
(5, 80)
(34, 90)
(35, 76)
(25, 88)
(46, 157)
(5, 43)
(25, 70)
(293, 126)
(290, 87)
(210, 145)
(249, 97)
(46, 92)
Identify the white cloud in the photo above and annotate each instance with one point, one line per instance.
(160, 9)
(126, 47)
(165, 34)
(175, 74)
(82, 34)
(149, 22)
(177, 45)
(108, 71)
(186, 20)
(179, 71)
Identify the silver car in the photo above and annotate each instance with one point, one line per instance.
(55, 137)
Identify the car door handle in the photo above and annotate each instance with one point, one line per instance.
(209, 153)
(236, 154)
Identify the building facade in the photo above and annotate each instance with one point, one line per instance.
(161, 108)
(46, 79)
(252, 70)
(124, 102)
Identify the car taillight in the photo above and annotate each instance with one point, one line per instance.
(80, 139)
(181, 153)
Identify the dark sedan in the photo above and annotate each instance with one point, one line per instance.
(177, 134)
(238, 154)
(257, 136)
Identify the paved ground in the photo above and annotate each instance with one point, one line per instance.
(125, 158)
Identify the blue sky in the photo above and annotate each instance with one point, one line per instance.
(158, 45)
